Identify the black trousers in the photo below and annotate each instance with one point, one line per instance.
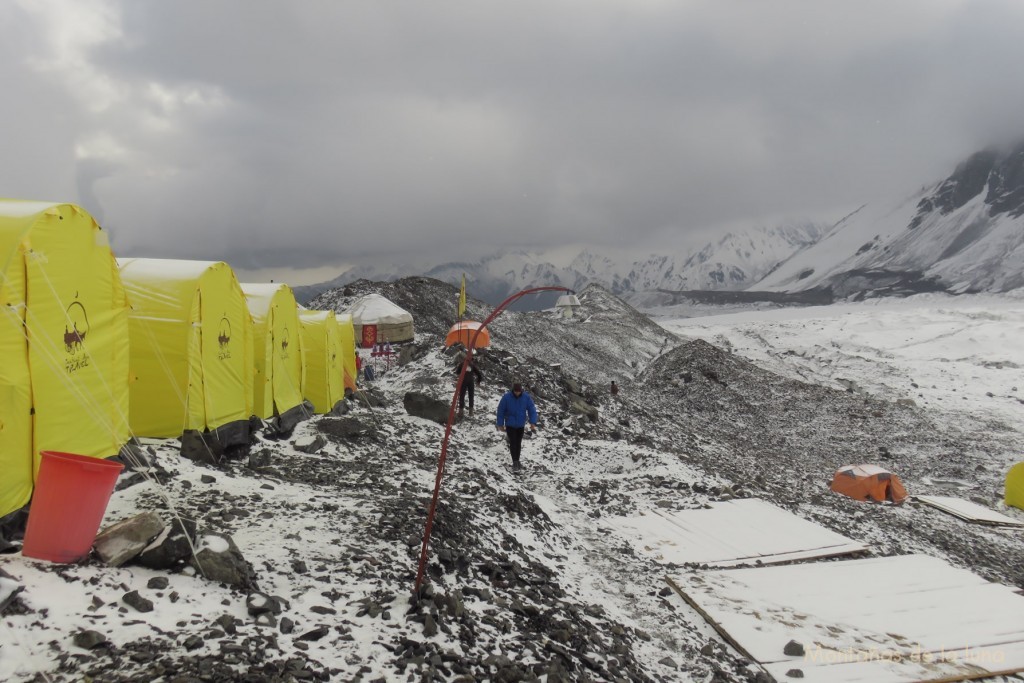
(467, 387)
(515, 442)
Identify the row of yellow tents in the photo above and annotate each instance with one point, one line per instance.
(94, 350)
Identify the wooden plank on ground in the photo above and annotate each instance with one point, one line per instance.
(746, 531)
(969, 511)
(886, 620)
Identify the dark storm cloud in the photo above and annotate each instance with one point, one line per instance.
(297, 134)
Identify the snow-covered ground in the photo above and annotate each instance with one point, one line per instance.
(964, 355)
(533, 578)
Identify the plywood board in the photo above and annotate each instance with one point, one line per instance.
(891, 619)
(971, 512)
(746, 531)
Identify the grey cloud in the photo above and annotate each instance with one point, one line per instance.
(304, 133)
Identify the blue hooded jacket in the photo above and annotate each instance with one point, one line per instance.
(512, 411)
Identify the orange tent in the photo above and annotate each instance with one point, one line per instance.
(463, 332)
(868, 482)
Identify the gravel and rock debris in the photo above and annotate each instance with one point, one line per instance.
(296, 560)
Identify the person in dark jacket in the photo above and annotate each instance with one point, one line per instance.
(513, 410)
(472, 378)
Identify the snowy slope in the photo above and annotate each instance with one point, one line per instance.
(965, 233)
(852, 243)
(945, 352)
(735, 261)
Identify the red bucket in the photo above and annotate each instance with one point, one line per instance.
(71, 495)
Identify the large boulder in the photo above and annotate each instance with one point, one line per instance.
(123, 541)
(578, 405)
(202, 447)
(282, 426)
(345, 428)
(422, 405)
(310, 444)
(218, 559)
(373, 398)
(212, 446)
(172, 547)
(406, 355)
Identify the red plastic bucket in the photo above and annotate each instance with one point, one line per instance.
(70, 498)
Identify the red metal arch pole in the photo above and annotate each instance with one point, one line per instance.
(451, 419)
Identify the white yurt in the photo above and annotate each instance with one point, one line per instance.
(378, 320)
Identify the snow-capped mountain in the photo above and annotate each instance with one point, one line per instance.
(962, 234)
(733, 262)
(965, 233)
(496, 276)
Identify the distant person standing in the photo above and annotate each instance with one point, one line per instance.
(513, 410)
(615, 388)
(472, 378)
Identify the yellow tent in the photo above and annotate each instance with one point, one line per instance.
(277, 349)
(323, 354)
(63, 342)
(348, 348)
(1015, 486)
(191, 353)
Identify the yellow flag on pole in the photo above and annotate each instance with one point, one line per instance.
(462, 298)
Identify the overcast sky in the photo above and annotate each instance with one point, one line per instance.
(313, 133)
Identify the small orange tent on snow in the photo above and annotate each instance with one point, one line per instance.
(869, 483)
(463, 332)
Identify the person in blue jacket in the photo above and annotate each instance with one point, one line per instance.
(513, 410)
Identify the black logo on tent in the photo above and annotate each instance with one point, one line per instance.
(224, 339)
(284, 344)
(76, 328)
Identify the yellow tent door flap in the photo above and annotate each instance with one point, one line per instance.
(63, 340)
(191, 346)
(348, 348)
(277, 384)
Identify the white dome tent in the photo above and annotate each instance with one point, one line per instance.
(376, 320)
(568, 305)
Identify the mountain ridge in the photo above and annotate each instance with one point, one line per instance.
(734, 261)
(961, 234)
